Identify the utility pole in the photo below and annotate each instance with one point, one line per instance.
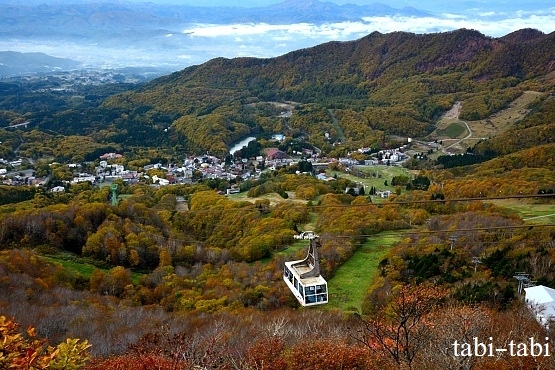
(523, 281)
(476, 261)
(453, 239)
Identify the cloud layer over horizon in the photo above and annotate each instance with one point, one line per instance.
(490, 23)
(270, 40)
(198, 43)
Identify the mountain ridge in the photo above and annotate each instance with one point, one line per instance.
(397, 83)
(15, 63)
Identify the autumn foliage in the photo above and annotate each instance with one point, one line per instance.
(26, 351)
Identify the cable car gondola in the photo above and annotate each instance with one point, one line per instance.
(303, 276)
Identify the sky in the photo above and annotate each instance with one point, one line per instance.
(197, 43)
(491, 18)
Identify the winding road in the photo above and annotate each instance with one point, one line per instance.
(469, 136)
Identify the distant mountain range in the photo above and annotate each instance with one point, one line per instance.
(120, 33)
(101, 21)
(15, 63)
(148, 34)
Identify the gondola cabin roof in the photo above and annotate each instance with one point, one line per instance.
(301, 267)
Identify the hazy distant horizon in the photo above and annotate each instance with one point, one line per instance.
(176, 46)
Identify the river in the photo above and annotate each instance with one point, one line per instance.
(240, 144)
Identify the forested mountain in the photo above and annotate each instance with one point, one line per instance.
(396, 83)
(181, 276)
(357, 93)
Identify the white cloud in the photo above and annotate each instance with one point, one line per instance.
(544, 21)
(487, 14)
(210, 30)
(453, 16)
(202, 42)
(282, 38)
(268, 40)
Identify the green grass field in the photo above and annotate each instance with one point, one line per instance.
(534, 213)
(81, 268)
(293, 248)
(274, 198)
(376, 177)
(384, 173)
(454, 130)
(348, 287)
(311, 224)
(335, 123)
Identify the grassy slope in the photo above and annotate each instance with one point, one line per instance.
(386, 173)
(454, 130)
(338, 129)
(274, 198)
(348, 287)
(82, 268)
(535, 213)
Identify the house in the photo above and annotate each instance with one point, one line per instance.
(275, 153)
(130, 177)
(160, 181)
(541, 300)
(384, 193)
(356, 191)
(83, 178)
(233, 190)
(187, 173)
(118, 169)
(110, 156)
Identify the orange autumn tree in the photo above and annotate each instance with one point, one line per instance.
(29, 352)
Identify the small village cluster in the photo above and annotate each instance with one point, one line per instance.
(193, 169)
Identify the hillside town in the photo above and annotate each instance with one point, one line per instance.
(108, 168)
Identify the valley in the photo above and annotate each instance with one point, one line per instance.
(423, 162)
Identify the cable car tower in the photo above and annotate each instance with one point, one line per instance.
(303, 276)
(114, 189)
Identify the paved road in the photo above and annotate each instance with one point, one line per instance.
(20, 124)
(535, 217)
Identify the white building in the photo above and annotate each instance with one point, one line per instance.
(160, 181)
(541, 300)
(383, 193)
